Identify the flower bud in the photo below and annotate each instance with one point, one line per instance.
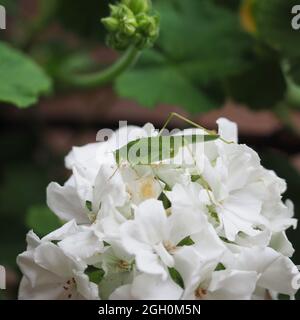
(110, 23)
(149, 25)
(131, 23)
(138, 6)
(114, 10)
(129, 29)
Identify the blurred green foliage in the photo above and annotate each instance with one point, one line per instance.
(22, 81)
(207, 44)
(200, 45)
(208, 51)
(42, 220)
(26, 167)
(22, 185)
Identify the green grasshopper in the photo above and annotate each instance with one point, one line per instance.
(150, 150)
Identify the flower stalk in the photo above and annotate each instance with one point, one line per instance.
(132, 27)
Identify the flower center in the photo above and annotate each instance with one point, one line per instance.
(170, 247)
(123, 265)
(147, 189)
(200, 293)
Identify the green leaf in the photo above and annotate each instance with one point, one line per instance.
(95, 275)
(195, 178)
(261, 86)
(273, 18)
(220, 267)
(165, 85)
(22, 81)
(202, 32)
(154, 149)
(186, 242)
(200, 45)
(89, 205)
(165, 200)
(22, 185)
(176, 277)
(42, 220)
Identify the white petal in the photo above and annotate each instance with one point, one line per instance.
(65, 203)
(232, 285)
(148, 287)
(66, 230)
(83, 156)
(150, 263)
(86, 288)
(53, 259)
(35, 274)
(276, 271)
(82, 245)
(228, 130)
(152, 219)
(122, 293)
(49, 291)
(280, 243)
(109, 187)
(32, 240)
(164, 255)
(208, 244)
(186, 223)
(279, 276)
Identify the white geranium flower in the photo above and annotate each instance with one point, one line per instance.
(148, 287)
(213, 218)
(141, 183)
(152, 237)
(236, 198)
(51, 274)
(92, 156)
(65, 202)
(116, 259)
(118, 266)
(109, 190)
(190, 197)
(275, 271)
(203, 281)
(70, 201)
(81, 242)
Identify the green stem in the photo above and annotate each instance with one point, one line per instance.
(104, 76)
(293, 93)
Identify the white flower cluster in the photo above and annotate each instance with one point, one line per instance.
(161, 231)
